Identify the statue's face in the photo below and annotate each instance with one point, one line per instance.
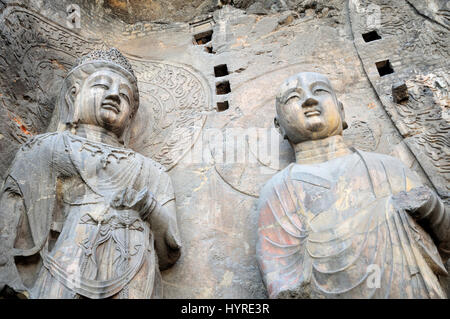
(307, 108)
(105, 99)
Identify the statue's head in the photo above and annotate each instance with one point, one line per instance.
(308, 109)
(101, 90)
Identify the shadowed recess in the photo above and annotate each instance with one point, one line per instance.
(223, 88)
(222, 106)
(203, 37)
(371, 36)
(384, 67)
(220, 70)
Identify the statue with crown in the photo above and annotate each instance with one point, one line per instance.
(90, 217)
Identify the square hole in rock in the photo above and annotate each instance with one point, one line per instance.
(222, 106)
(203, 37)
(384, 67)
(223, 88)
(371, 36)
(220, 70)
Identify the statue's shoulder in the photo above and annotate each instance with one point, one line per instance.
(279, 177)
(41, 141)
(396, 172)
(154, 165)
(389, 162)
(157, 179)
(275, 181)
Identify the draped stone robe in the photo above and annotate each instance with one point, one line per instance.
(75, 243)
(330, 230)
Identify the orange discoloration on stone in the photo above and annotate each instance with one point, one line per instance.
(22, 127)
(119, 4)
(409, 184)
(58, 65)
(240, 41)
(371, 105)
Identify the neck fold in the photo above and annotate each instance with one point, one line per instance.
(318, 151)
(97, 134)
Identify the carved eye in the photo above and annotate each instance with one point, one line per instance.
(320, 91)
(101, 85)
(292, 97)
(125, 97)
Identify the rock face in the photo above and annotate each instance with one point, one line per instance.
(422, 119)
(208, 74)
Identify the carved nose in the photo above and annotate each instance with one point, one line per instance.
(310, 102)
(113, 96)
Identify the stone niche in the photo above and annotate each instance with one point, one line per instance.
(208, 76)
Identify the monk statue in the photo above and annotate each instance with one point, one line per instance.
(81, 214)
(340, 222)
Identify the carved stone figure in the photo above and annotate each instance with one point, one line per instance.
(343, 223)
(81, 214)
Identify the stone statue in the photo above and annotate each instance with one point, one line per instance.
(81, 214)
(342, 223)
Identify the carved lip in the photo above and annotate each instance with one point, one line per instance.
(311, 113)
(111, 106)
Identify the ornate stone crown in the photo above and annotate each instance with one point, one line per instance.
(112, 56)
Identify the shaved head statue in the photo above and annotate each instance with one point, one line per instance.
(340, 222)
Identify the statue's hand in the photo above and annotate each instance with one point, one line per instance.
(429, 211)
(417, 202)
(167, 238)
(172, 238)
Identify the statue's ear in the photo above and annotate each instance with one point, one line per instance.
(341, 110)
(279, 128)
(275, 122)
(70, 97)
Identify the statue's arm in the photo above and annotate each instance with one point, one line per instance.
(165, 229)
(281, 240)
(12, 212)
(162, 217)
(429, 211)
(21, 182)
(422, 204)
(425, 206)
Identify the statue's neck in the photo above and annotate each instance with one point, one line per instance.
(318, 151)
(96, 134)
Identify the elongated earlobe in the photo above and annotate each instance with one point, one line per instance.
(72, 112)
(275, 122)
(341, 110)
(279, 128)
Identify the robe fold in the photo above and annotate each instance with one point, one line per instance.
(330, 230)
(82, 246)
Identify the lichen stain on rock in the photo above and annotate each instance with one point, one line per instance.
(22, 127)
(58, 65)
(117, 4)
(133, 11)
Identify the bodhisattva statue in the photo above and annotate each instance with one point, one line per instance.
(342, 223)
(81, 214)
